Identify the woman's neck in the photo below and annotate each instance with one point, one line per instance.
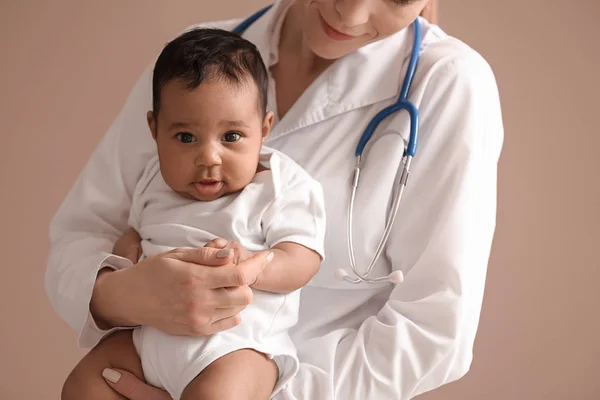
(297, 66)
(293, 49)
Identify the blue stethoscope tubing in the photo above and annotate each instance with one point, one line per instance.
(402, 103)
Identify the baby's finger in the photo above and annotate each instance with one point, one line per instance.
(245, 273)
(217, 243)
(133, 253)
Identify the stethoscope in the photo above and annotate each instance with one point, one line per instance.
(402, 103)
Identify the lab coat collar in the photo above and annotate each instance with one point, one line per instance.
(372, 74)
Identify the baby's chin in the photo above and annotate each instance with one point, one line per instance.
(193, 194)
(205, 198)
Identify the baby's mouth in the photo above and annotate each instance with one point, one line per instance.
(206, 187)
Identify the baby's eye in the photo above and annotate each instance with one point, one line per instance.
(231, 137)
(185, 137)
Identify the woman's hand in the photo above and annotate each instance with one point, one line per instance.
(191, 292)
(129, 246)
(240, 253)
(129, 386)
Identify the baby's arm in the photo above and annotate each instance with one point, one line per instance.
(294, 228)
(292, 267)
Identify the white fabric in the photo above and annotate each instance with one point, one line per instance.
(282, 204)
(354, 342)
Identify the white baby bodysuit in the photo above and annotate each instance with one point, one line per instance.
(281, 204)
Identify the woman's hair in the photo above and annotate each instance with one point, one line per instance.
(208, 53)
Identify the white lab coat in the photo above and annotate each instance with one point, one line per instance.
(354, 342)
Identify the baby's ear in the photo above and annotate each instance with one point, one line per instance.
(151, 123)
(267, 124)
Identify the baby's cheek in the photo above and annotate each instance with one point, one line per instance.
(177, 177)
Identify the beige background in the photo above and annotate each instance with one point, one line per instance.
(67, 65)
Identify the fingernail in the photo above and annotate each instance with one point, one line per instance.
(270, 257)
(223, 253)
(111, 375)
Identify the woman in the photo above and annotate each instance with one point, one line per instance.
(334, 64)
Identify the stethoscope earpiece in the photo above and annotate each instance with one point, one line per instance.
(396, 277)
(340, 274)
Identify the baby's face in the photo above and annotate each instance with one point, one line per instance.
(209, 138)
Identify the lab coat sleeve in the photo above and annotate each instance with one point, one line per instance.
(94, 214)
(423, 336)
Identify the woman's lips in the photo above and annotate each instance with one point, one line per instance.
(334, 34)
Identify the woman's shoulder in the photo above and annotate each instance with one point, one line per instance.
(457, 92)
(443, 52)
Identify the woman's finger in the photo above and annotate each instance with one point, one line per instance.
(236, 296)
(205, 256)
(224, 313)
(127, 384)
(223, 325)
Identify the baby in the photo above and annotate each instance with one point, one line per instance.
(213, 182)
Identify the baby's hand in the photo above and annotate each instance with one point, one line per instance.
(129, 246)
(240, 253)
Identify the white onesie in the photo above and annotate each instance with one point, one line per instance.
(281, 204)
